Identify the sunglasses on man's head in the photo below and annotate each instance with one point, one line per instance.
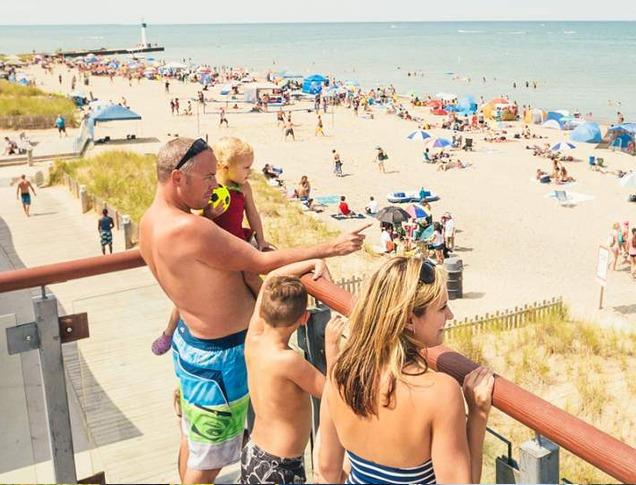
(427, 273)
(198, 146)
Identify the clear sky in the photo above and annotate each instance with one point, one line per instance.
(28, 12)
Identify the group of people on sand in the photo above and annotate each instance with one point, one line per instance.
(231, 347)
(622, 245)
(559, 174)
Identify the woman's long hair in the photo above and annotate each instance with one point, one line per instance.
(379, 339)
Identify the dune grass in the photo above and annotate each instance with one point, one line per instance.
(17, 100)
(127, 180)
(586, 370)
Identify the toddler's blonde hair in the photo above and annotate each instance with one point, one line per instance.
(229, 150)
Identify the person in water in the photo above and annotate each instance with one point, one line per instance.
(396, 419)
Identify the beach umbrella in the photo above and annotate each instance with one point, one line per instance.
(438, 143)
(427, 233)
(562, 146)
(418, 135)
(552, 124)
(439, 112)
(628, 181)
(392, 215)
(417, 211)
(495, 101)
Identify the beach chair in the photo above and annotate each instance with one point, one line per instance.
(562, 197)
(468, 144)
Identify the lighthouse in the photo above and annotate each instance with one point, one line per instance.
(144, 41)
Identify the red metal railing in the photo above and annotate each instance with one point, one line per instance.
(585, 441)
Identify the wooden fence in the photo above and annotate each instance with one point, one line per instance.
(501, 320)
(509, 319)
(22, 122)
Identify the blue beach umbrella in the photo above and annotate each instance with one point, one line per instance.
(417, 211)
(562, 146)
(438, 143)
(418, 135)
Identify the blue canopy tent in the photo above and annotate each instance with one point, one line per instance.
(313, 84)
(554, 115)
(113, 112)
(588, 132)
(467, 105)
(623, 137)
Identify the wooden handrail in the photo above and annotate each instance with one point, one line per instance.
(605, 452)
(575, 435)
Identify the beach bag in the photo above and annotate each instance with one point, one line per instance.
(384, 157)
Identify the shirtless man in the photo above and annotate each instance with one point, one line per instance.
(199, 266)
(23, 190)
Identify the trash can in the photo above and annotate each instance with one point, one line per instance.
(454, 267)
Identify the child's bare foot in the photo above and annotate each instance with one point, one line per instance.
(162, 344)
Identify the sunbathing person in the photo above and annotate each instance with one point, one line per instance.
(563, 177)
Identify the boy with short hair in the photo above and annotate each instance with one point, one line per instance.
(280, 380)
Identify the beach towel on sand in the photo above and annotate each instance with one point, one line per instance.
(340, 217)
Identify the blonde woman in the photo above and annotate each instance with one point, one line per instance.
(397, 420)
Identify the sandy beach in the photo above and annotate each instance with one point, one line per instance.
(518, 245)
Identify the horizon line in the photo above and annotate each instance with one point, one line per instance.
(259, 22)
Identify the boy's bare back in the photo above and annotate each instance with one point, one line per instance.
(282, 407)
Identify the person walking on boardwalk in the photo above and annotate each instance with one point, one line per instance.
(60, 124)
(200, 267)
(105, 226)
(24, 190)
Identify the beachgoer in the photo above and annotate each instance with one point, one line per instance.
(280, 118)
(105, 226)
(223, 118)
(337, 163)
(380, 157)
(386, 240)
(280, 380)
(289, 128)
(199, 266)
(24, 192)
(167, 86)
(372, 206)
(60, 124)
(613, 244)
(172, 107)
(437, 243)
(234, 165)
(624, 240)
(303, 191)
(10, 146)
(396, 420)
(632, 252)
(343, 207)
(319, 127)
(449, 231)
